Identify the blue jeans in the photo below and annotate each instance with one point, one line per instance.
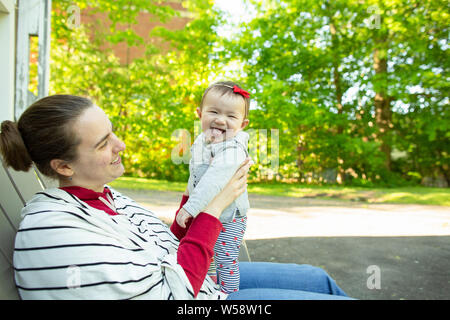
(282, 281)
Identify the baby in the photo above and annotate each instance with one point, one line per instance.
(216, 155)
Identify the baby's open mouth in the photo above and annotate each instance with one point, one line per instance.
(216, 132)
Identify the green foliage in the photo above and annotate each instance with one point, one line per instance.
(147, 99)
(310, 66)
(305, 59)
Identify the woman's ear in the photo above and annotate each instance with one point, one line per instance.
(61, 167)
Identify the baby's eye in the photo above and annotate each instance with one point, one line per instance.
(104, 144)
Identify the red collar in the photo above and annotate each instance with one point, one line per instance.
(91, 197)
(86, 194)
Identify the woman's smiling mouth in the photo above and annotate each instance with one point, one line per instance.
(116, 161)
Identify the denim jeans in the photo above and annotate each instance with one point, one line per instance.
(281, 281)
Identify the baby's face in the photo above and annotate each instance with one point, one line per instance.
(222, 116)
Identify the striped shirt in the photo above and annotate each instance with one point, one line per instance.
(66, 249)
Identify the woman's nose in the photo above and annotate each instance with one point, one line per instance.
(119, 145)
(122, 145)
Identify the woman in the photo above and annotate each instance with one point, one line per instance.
(85, 240)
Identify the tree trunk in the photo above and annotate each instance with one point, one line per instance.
(300, 150)
(382, 102)
(338, 87)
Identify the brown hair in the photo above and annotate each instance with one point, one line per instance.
(43, 133)
(226, 88)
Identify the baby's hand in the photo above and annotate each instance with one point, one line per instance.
(183, 217)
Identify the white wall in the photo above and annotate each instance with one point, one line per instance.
(7, 58)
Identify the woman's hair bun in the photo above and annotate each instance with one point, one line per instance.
(43, 132)
(13, 148)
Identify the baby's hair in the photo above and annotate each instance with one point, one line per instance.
(226, 88)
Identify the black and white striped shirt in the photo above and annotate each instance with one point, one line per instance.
(66, 249)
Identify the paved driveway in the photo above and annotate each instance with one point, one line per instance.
(374, 251)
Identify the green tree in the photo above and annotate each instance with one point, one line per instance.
(148, 98)
(347, 83)
(333, 75)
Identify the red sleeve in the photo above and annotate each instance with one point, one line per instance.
(197, 248)
(178, 231)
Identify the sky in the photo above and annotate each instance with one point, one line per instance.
(238, 11)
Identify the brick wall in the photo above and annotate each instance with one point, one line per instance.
(146, 22)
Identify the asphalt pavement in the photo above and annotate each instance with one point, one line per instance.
(373, 251)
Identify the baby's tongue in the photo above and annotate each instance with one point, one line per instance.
(216, 132)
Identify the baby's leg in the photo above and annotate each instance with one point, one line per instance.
(226, 253)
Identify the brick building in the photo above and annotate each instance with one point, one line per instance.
(146, 22)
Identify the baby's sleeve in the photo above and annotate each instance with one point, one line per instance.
(223, 166)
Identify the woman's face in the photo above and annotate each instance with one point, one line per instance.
(98, 160)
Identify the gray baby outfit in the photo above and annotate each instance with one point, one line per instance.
(211, 167)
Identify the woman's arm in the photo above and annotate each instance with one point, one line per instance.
(197, 248)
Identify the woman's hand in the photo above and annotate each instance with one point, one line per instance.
(235, 187)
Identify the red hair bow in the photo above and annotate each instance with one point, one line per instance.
(242, 92)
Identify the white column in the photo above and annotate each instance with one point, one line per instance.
(7, 58)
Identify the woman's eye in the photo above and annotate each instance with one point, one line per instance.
(104, 144)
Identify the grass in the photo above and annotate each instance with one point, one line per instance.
(147, 184)
(403, 195)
